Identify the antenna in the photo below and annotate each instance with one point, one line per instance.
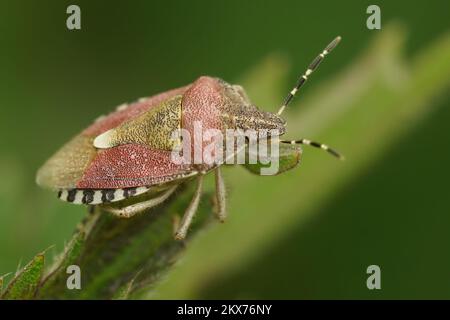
(316, 145)
(312, 66)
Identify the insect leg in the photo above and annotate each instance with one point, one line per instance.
(131, 210)
(181, 232)
(316, 145)
(220, 195)
(312, 66)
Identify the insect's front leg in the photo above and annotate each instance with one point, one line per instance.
(189, 214)
(220, 195)
(131, 210)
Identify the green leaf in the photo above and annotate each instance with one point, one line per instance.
(124, 292)
(25, 282)
(2, 280)
(57, 277)
(121, 258)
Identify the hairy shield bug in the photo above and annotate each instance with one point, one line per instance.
(128, 154)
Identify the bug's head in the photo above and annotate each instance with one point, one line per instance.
(247, 116)
(240, 113)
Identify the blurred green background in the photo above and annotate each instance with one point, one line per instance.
(387, 205)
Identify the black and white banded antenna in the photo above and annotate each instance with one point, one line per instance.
(316, 145)
(300, 82)
(311, 68)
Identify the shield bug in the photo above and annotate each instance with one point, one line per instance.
(123, 161)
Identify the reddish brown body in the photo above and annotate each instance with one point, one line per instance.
(211, 101)
(135, 165)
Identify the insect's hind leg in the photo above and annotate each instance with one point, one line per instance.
(189, 214)
(131, 210)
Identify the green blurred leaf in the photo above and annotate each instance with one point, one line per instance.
(362, 111)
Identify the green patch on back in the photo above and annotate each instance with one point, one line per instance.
(153, 128)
